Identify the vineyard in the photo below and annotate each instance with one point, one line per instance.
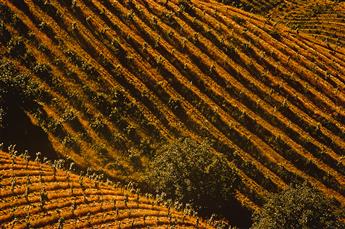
(35, 194)
(324, 19)
(109, 81)
(258, 6)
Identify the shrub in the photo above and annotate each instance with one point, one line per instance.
(298, 207)
(187, 171)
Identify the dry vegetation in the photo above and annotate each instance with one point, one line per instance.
(35, 194)
(118, 78)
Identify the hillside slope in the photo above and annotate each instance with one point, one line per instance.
(324, 19)
(256, 6)
(34, 194)
(118, 78)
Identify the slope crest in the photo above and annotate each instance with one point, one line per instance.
(36, 194)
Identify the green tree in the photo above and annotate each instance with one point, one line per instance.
(299, 207)
(189, 172)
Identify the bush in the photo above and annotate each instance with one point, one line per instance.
(298, 207)
(188, 172)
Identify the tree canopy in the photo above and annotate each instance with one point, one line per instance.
(302, 206)
(189, 172)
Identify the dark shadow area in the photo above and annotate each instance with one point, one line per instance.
(20, 131)
(237, 215)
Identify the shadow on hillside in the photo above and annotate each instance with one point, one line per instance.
(20, 131)
(237, 215)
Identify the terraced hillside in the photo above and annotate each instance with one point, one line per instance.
(34, 194)
(115, 79)
(324, 19)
